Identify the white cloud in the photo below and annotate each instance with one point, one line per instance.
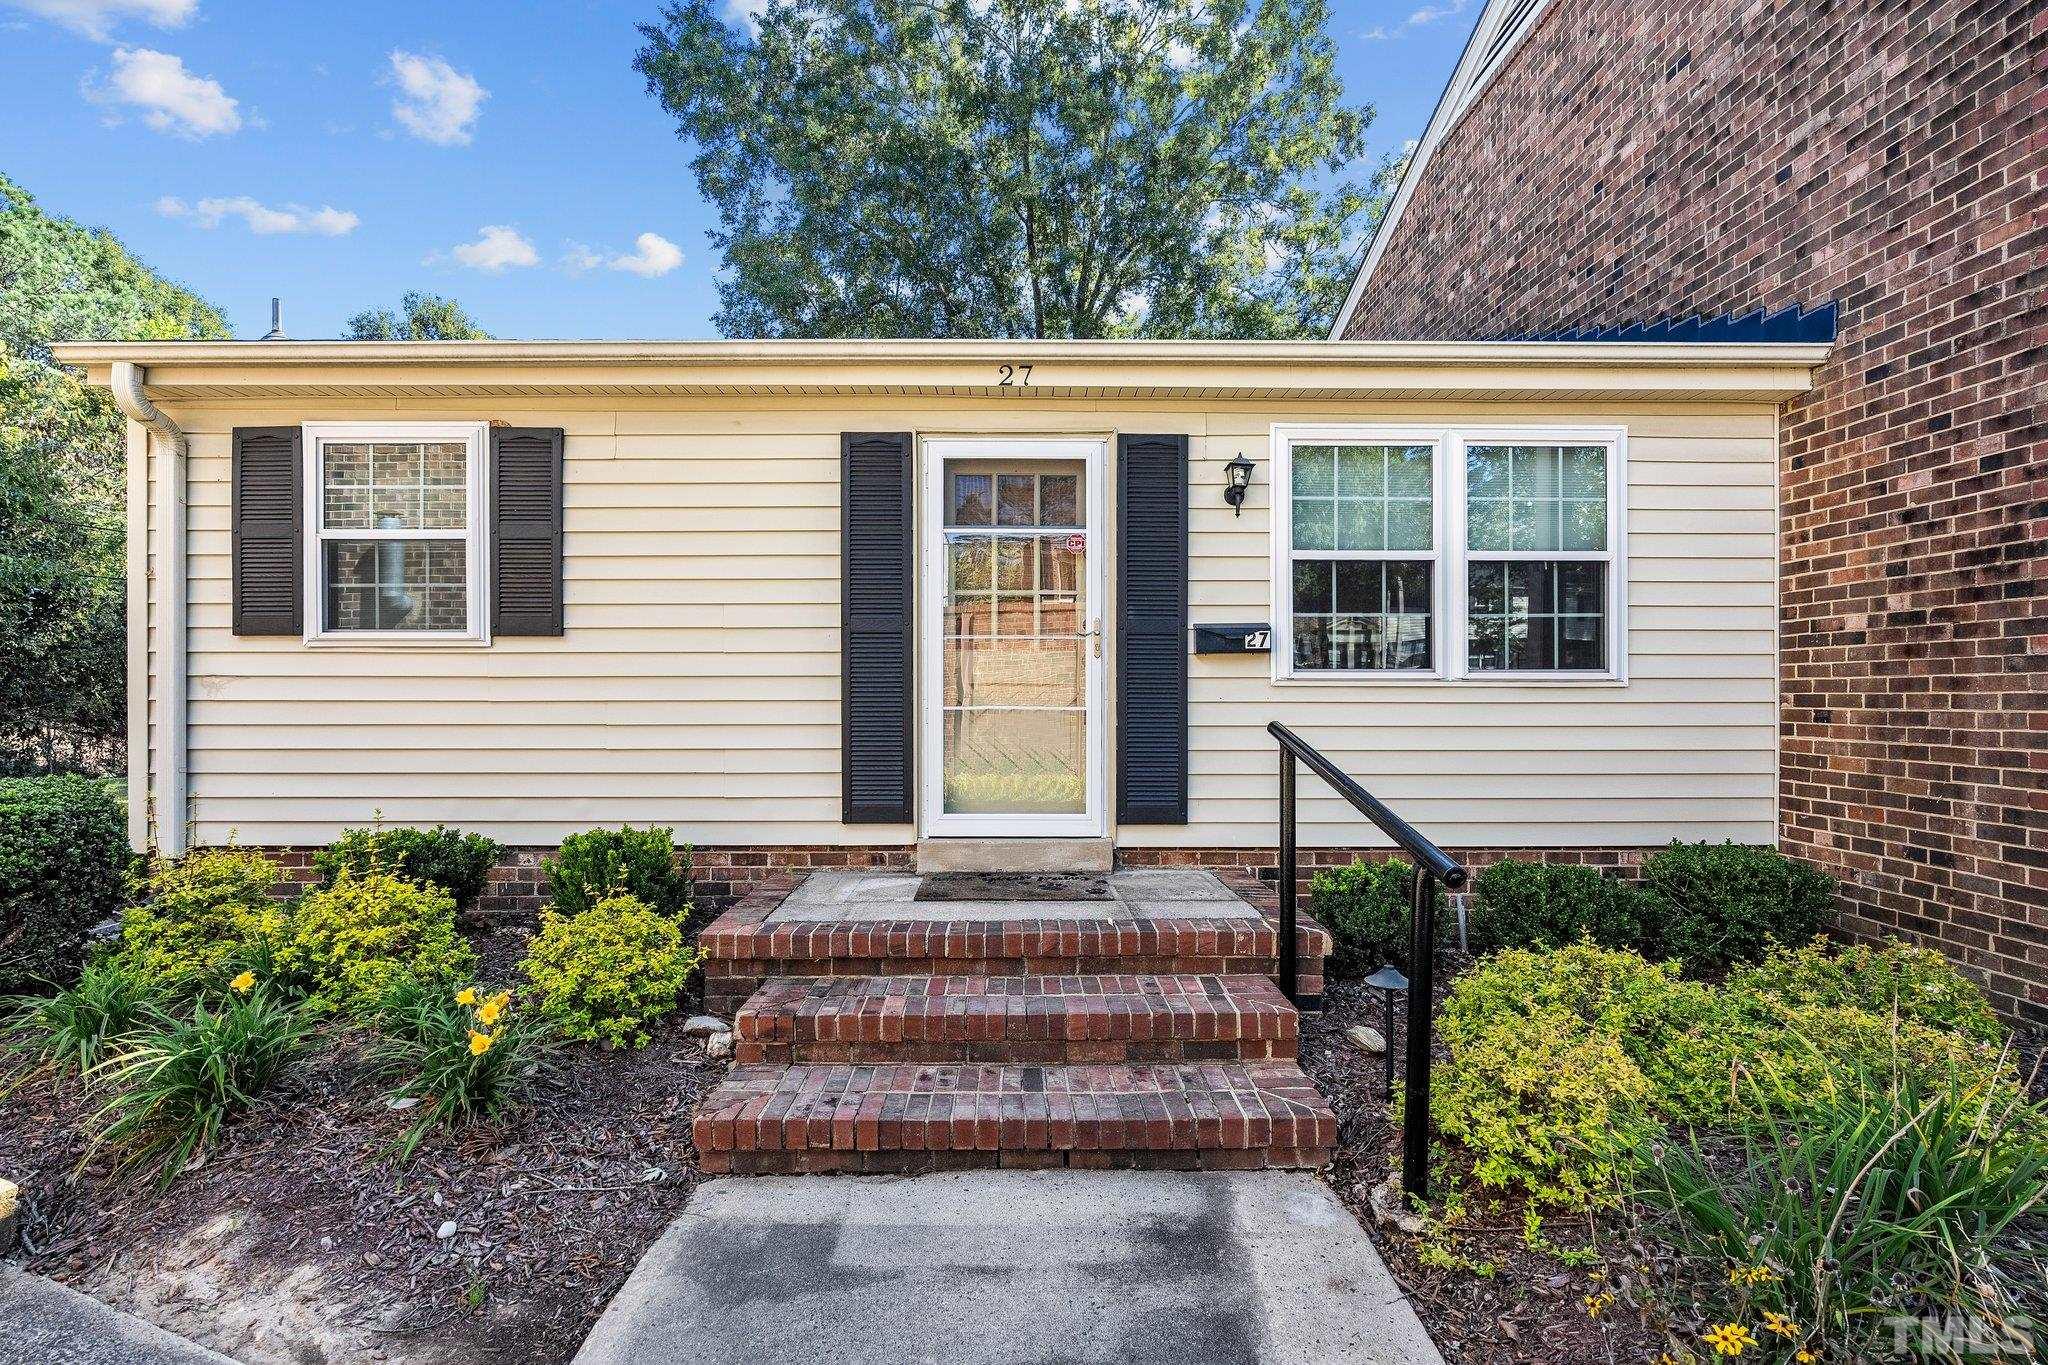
(261, 219)
(439, 104)
(1420, 18)
(495, 250)
(96, 18)
(172, 99)
(652, 255)
(745, 14)
(579, 259)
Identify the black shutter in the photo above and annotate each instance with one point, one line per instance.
(268, 511)
(876, 618)
(1152, 630)
(526, 531)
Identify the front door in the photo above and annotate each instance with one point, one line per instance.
(1013, 739)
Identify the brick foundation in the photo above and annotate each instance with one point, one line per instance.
(1637, 162)
(721, 877)
(718, 876)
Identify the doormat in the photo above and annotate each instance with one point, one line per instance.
(1014, 886)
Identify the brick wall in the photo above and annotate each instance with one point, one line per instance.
(1636, 162)
(718, 876)
(722, 876)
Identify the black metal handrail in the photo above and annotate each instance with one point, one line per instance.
(1432, 865)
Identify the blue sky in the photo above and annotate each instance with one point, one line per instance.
(372, 144)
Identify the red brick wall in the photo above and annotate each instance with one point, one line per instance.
(718, 876)
(1635, 162)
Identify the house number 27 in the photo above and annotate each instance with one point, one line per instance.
(1013, 376)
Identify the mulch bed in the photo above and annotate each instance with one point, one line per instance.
(550, 1209)
(1531, 1307)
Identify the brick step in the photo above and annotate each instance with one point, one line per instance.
(908, 1119)
(743, 949)
(1046, 1020)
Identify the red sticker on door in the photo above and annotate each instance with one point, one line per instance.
(1077, 542)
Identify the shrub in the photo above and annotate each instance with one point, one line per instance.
(1918, 984)
(74, 1027)
(350, 941)
(603, 863)
(1365, 908)
(63, 868)
(1547, 905)
(1526, 1028)
(463, 1057)
(1891, 1197)
(1715, 905)
(201, 914)
(456, 862)
(1562, 1061)
(603, 974)
(180, 1079)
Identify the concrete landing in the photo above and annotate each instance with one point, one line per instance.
(1151, 893)
(44, 1323)
(1010, 1267)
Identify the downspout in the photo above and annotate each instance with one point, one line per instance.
(167, 788)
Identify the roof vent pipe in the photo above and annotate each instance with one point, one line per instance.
(276, 332)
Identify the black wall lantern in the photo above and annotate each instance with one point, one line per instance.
(1237, 477)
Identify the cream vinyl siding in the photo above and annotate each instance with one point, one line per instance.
(697, 683)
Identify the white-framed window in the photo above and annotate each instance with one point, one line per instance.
(396, 551)
(1522, 576)
(1357, 536)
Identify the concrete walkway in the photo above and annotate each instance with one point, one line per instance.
(1007, 1267)
(43, 1323)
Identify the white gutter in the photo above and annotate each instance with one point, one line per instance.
(167, 789)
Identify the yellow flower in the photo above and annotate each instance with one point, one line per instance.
(1729, 1339)
(1752, 1274)
(466, 996)
(1779, 1323)
(479, 1043)
(488, 1012)
(1806, 1357)
(243, 984)
(1596, 1302)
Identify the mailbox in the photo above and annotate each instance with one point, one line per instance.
(1243, 638)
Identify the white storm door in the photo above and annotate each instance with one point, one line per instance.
(1013, 640)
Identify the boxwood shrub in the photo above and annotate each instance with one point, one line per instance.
(1520, 904)
(63, 868)
(1716, 905)
(601, 863)
(1365, 908)
(457, 862)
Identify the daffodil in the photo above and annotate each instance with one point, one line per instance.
(466, 996)
(1729, 1338)
(243, 984)
(480, 1043)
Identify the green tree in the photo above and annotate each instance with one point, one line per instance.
(421, 317)
(1079, 168)
(62, 575)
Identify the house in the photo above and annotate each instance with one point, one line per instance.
(1596, 168)
(957, 604)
